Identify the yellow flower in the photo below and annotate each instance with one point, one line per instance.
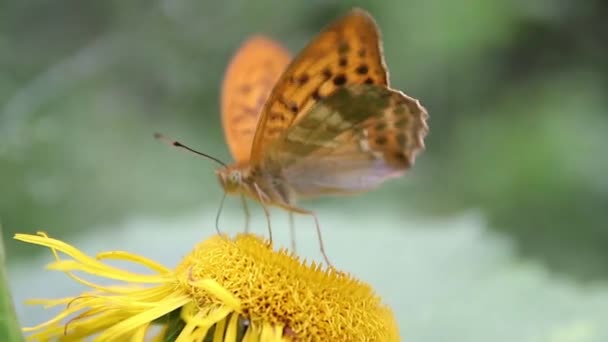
(225, 290)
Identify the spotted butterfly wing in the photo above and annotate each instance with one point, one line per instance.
(352, 141)
(345, 53)
(249, 79)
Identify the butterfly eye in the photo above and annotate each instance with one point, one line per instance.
(235, 177)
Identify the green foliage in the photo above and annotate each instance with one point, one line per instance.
(10, 330)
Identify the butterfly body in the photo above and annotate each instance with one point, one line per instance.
(259, 184)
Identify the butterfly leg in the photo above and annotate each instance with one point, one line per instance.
(321, 245)
(292, 231)
(246, 209)
(219, 213)
(260, 194)
(318, 227)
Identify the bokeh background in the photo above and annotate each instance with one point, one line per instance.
(500, 232)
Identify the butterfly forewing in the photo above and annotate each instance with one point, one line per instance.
(346, 53)
(351, 141)
(249, 79)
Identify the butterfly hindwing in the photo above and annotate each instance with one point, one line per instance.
(346, 53)
(352, 141)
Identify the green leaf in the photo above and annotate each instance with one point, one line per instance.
(9, 327)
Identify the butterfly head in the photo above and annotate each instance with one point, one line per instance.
(231, 178)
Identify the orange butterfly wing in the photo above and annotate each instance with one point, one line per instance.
(248, 81)
(346, 53)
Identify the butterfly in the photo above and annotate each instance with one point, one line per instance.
(324, 123)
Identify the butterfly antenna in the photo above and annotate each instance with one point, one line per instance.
(219, 213)
(177, 144)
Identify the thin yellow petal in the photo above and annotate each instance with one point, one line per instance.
(163, 308)
(186, 335)
(220, 329)
(88, 264)
(93, 266)
(232, 328)
(53, 321)
(202, 322)
(250, 335)
(55, 244)
(214, 317)
(140, 333)
(49, 303)
(198, 335)
(215, 289)
(138, 259)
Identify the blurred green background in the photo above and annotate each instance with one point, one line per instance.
(516, 92)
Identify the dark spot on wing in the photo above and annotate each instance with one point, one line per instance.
(327, 73)
(303, 79)
(290, 105)
(369, 80)
(340, 80)
(293, 108)
(343, 61)
(362, 69)
(381, 140)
